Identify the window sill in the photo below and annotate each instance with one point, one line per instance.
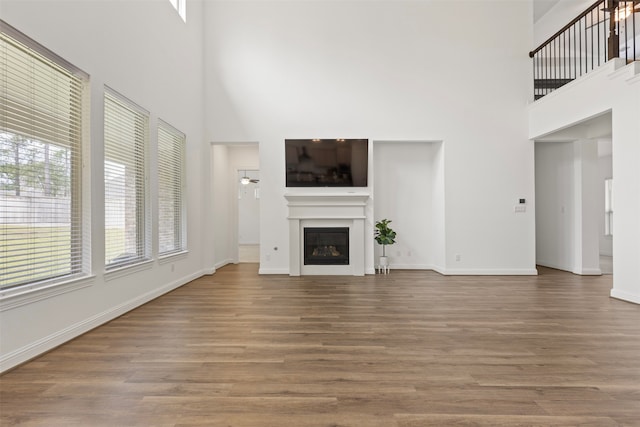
(173, 256)
(127, 270)
(28, 294)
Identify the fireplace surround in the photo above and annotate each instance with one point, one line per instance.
(327, 210)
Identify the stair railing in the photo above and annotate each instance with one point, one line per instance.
(607, 29)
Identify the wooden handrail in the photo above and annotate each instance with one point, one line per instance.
(566, 27)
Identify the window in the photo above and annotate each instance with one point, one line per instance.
(608, 207)
(126, 130)
(171, 218)
(181, 7)
(42, 118)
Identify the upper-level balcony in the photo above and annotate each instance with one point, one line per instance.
(607, 29)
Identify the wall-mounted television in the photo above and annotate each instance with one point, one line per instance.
(326, 162)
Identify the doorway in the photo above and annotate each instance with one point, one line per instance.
(230, 162)
(248, 215)
(572, 169)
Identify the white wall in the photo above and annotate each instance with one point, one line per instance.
(146, 52)
(386, 71)
(615, 88)
(557, 17)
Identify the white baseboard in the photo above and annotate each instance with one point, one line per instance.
(223, 263)
(463, 271)
(208, 271)
(553, 265)
(28, 352)
(394, 266)
(583, 272)
(273, 271)
(490, 272)
(588, 272)
(438, 269)
(625, 296)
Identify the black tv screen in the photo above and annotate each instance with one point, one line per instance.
(326, 162)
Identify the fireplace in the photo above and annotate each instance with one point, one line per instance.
(326, 246)
(333, 212)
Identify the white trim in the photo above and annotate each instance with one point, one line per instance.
(273, 271)
(621, 68)
(23, 295)
(462, 271)
(438, 269)
(625, 296)
(127, 270)
(588, 272)
(636, 71)
(395, 266)
(223, 263)
(327, 209)
(490, 272)
(610, 67)
(28, 352)
(173, 256)
(119, 98)
(583, 272)
(554, 266)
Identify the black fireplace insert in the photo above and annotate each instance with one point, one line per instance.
(326, 246)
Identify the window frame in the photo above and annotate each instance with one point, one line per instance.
(608, 207)
(78, 143)
(142, 216)
(179, 172)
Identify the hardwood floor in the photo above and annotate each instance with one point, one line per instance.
(413, 348)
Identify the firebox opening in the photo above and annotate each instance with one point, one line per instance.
(326, 246)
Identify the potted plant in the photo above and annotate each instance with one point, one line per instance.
(384, 235)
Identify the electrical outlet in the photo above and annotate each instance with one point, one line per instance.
(408, 253)
(268, 257)
(399, 253)
(173, 268)
(458, 258)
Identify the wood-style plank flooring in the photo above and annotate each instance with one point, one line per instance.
(409, 349)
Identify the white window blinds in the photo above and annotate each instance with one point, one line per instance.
(41, 128)
(126, 130)
(171, 218)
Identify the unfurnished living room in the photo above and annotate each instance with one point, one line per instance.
(320, 213)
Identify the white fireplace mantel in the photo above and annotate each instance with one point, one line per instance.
(327, 210)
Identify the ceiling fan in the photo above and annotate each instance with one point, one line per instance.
(245, 180)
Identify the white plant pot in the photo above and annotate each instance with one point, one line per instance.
(383, 261)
